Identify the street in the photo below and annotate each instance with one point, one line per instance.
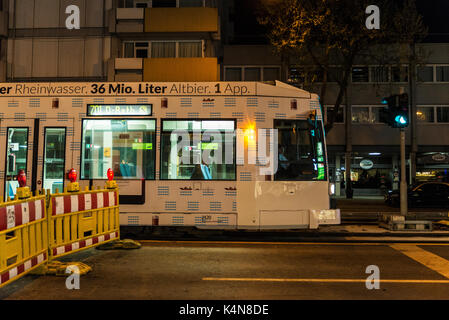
(171, 270)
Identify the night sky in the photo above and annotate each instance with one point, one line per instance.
(248, 30)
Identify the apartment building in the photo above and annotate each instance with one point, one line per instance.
(119, 40)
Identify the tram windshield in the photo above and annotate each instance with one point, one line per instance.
(301, 150)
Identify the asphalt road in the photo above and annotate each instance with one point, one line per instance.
(249, 271)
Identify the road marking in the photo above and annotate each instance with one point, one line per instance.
(324, 280)
(288, 243)
(426, 258)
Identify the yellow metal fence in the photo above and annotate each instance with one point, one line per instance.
(35, 230)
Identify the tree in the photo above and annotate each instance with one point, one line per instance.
(319, 32)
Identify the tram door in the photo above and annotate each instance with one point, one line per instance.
(36, 146)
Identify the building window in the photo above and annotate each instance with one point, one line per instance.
(375, 114)
(335, 74)
(233, 74)
(126, 146)
(380, 74)
(163, 49)
(360, 74)
(443, 114)
(442, 73)
(361, 115)
(164, 3)
(425, 114)
(340, 118)
(399, 74)
(190, 49)
(425, 74)
(136, 50)
(271, 74)
(134, 3)
(190, 3)
(252, 74)
(198, 150)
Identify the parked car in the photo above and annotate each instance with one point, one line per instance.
(428, 194)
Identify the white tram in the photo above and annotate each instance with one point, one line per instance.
(183, 154)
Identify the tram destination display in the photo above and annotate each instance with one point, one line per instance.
(119, 109)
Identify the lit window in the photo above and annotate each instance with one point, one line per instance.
(198, 150)
(125, 146)
(360, 115)
(425, 114)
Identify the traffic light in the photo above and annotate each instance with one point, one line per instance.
(396, 114)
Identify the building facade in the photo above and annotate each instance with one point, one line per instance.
(119, 40)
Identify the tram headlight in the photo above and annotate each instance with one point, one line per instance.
(331, 189)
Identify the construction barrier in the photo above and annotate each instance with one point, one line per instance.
(82, 220)
(23, 237)
(30, 238)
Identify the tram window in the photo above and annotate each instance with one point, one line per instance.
(54, 158)
(301, 150)
(205, 150)
(126, 146)
(16, 158)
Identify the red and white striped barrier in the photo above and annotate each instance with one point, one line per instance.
(22, 268)
(82, 202)
(22, 213)
(83, 243)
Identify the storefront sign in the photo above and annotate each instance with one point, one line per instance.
(366, 164)
(119, 110)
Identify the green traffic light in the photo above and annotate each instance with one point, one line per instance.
(401, 120)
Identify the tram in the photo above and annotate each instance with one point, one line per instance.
(212, 155)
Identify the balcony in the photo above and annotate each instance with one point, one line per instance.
(134, 20)
(165, 69)
(125, 69)
(181, 20)
(181, 69)
(126, 20)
